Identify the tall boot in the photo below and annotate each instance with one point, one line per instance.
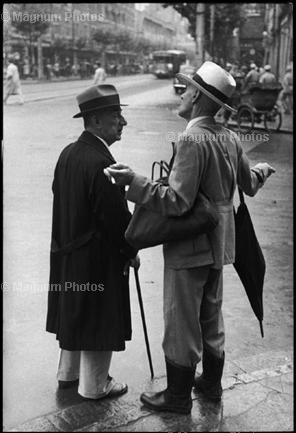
(209, 383)
(177, 396)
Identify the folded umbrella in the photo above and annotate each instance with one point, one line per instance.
(249, 260)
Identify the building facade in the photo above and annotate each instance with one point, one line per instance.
(278, 37)
(69, 36)
(251, 34)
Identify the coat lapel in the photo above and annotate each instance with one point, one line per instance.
(97, 144)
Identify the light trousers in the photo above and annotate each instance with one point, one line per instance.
(192, 314)
(90, 367)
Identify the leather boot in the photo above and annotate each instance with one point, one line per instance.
(209, 383)
(177, 396)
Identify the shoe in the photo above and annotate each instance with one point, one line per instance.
(209, 382)
(177, 396)
(64, 384)
(208, 389)
(116, 390)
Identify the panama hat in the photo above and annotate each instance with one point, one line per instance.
(96, 97)
(267, 67)
(213, 81)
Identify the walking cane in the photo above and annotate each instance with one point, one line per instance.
(143, 321)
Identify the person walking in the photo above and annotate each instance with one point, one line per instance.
(100, 74)
(267, 79)
(13, 83)
(209, 158)
(88, 297)
(286, 96)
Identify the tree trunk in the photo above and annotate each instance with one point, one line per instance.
(40, 58)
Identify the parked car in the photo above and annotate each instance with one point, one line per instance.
(184, 69)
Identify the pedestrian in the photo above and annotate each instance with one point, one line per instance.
(48, 70)
(100, 74)
(13, 83)
(286, 96)
(88, 298)
(228, 67)
(56, 69)
(209, 158)
(252, 77)
(267, 79)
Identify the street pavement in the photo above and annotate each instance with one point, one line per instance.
(258, 377)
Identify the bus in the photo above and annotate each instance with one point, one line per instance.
(167, 63)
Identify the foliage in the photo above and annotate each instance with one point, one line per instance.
(29, 28)
(228, 16)
(122, 40)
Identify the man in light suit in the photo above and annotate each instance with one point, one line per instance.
(211, 158)
(100, 74)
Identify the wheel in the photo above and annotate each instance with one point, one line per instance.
(273, 120)
(245, 119)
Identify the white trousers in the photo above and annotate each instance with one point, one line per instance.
(90, 367)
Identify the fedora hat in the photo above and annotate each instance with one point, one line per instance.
(213, 81)
(96, 97)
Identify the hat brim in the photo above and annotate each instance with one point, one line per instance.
(81, 113)
(185, 79)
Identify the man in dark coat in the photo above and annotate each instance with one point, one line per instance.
(88, 299)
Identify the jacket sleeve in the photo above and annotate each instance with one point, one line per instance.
(248, 179)
(178, 197)
(111, 211)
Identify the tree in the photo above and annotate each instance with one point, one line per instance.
(228, 16)
(31, 25)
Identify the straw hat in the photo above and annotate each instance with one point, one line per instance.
(213, 81)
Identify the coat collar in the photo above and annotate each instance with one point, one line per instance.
(202, 120)
(96, 143)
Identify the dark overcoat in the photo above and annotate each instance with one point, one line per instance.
(88, 298)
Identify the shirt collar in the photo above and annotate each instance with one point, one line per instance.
(102, 140)
(193, 121)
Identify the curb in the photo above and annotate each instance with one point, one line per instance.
(44, 81)
(107, 416)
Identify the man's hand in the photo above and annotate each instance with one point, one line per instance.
(122, 174)
(134, 263)
(265, 170)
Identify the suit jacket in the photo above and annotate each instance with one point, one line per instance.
(88, 299)
(210, 157)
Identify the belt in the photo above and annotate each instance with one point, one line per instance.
(74, 244)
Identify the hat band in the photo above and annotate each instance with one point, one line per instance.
(97, 103)
(209, 88)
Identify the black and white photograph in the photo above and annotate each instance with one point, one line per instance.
(147, 154)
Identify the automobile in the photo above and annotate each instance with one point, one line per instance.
(186, 70)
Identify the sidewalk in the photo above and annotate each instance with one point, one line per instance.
(257, 392)
(63, 79)
(258, 378)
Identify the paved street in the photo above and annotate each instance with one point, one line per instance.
(258, 374)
